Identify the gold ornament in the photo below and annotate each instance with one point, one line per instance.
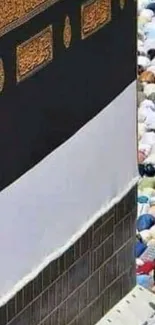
(2, 75)
(67, 33)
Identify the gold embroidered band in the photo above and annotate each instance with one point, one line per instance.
(14, 13)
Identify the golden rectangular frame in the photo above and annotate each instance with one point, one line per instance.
(34, 54)
(95, 26)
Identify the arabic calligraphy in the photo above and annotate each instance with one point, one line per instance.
(16, 12)
(94, 15)
(34, 54)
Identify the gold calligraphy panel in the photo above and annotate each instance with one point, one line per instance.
(94, 15)
(15, 12)
(2, 75)
(33, 54)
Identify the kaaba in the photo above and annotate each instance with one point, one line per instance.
(68, 164)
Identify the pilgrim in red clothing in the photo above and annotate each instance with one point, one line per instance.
(146, 268)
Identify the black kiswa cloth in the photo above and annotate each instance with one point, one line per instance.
(43, 111)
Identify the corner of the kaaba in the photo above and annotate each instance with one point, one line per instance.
(53, 98)
(67, 189)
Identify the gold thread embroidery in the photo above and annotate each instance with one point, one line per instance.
(67, 33)
(94, 15)
(14, 13)
(122, 4)
(35, 53)
(2, 75)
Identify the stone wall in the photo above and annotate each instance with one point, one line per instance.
(87, 280)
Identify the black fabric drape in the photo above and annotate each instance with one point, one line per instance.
(40, 113)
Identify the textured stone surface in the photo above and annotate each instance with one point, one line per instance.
(87, 280)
